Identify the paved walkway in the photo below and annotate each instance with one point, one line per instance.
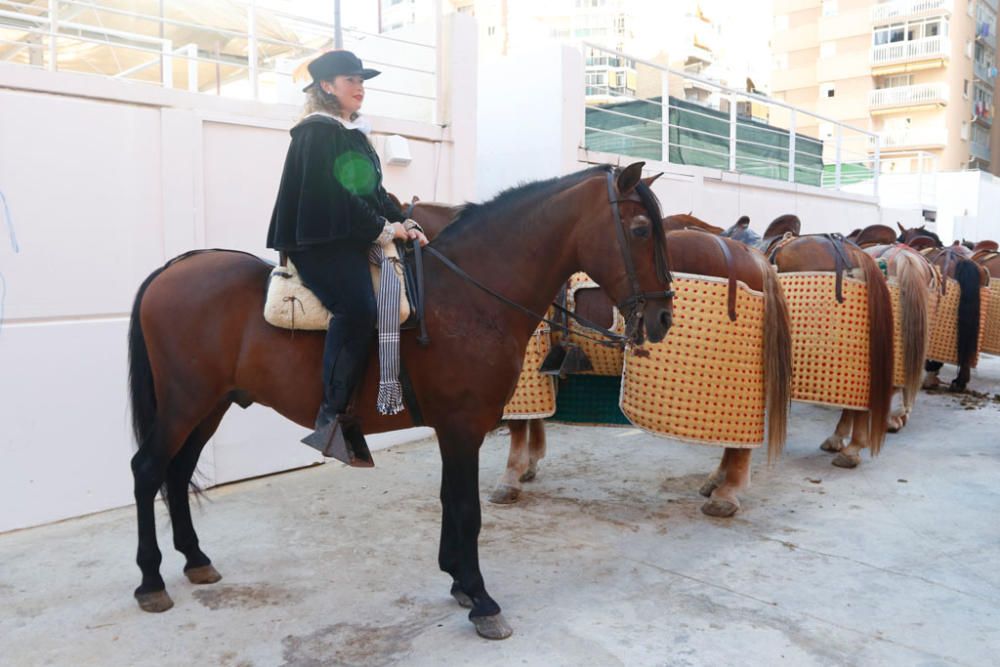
(606, 560)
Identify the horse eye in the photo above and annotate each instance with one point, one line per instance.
(641, 232)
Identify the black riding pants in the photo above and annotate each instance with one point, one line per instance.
(339, 275)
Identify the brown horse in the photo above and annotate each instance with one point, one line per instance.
(955, 262)
(673, 223)
(820, 253)
(198, 343)
(690, 252)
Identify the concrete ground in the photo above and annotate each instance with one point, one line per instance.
(606, 560)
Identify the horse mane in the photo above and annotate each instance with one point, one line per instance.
(472, 214)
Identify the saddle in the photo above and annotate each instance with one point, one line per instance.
(292, 305)
(874, 235)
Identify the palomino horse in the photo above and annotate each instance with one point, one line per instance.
(826, 253)
(690, 252)
(915, 279)
(198, 343)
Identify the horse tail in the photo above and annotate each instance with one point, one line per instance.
(967, 275)
(777, 360)
(913, 294)
(880, 357)
(142, 393)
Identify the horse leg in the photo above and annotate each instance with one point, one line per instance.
(461, 522)
(850, 457)
(508, 489)
(962, 379)
(536, 429)
(198, 567)
(835, 442)
(898, 419)
(716, 478)
(931, 380)
(724, 501)
(149, 470)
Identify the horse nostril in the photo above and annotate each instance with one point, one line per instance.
(665, 318)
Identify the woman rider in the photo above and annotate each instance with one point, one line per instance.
(331, 208)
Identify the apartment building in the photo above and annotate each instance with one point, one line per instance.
(920, 73)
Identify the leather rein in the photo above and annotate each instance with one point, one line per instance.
(631, 308)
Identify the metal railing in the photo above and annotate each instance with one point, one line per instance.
(740, 132)
(902, 9)
(240, 48)
(917, 49)
(924, 93)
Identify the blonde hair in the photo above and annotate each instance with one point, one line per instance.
(319, 100)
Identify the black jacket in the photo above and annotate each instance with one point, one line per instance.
(331, 188)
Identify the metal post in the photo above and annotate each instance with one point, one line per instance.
(665, 116)
(878, 163)
(840, 139)
(192, 54)
(252, 47)
(338, 36)
(791, 147)
(53, 31)
(167, 70)
(732, 132)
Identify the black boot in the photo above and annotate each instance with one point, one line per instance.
(339, 436)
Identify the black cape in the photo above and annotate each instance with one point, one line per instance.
(331, 188)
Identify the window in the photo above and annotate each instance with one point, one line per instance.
(968, 48)
(829, 7)
(491, 30)
(970, 8)
(895, 81)
(965, 89)
(965, 130)
(827, 49)
(827, 90)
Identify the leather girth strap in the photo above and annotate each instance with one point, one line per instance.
(731, 296)
(841, 262)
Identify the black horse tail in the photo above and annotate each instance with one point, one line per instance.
(967, 275)
(142, 393)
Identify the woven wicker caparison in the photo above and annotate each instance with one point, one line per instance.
(829, 339)
(535, 396)
(898, 374)
(704, 383)
(606, 360)
(991, 331)
(944, 324)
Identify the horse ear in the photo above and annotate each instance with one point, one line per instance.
(649, 180)
(901, 227)
(630, 177)
(744, 221)
(415, 199)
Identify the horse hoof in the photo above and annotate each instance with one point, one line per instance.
(155, 602)
(930, 382)
(894, 425)
(956, 388)
(530, 473)
(492, 627)
(707, 488)
(206, 574)
(461, 598)
(720, 508)
(843, 460)
(504, 494)
(833, 444)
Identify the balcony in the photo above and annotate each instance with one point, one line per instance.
(930, 137)
(986, 33)
(908, 96)
(929, 48)
(888, 12)
(983, 72)
(979, 151)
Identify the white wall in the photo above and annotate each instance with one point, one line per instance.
(107, 180)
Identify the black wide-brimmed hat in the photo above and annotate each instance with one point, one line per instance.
(337, 63)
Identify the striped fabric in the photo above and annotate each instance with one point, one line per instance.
(390, 392)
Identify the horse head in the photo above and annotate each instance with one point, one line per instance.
(622, 246)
